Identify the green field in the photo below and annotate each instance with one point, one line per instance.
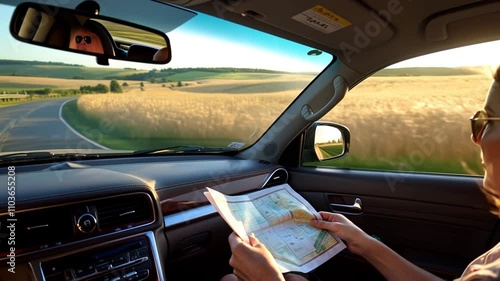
(330, 150)
(192, 75)
(67, 72)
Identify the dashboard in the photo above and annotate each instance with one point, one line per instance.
(123, 219)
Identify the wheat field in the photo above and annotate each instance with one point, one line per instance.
(407, 122)
(166, 113)
(398, 123)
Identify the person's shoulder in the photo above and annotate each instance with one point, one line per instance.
(485, 267)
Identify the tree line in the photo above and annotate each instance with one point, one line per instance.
(22, 62)
(114, 87)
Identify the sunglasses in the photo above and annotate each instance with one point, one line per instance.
(478, 123)
(87, 39)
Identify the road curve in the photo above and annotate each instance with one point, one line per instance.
(38, 126)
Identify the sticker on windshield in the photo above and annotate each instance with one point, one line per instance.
(236, 145)
(322, 19)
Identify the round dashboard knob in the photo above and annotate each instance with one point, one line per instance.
(86, 223)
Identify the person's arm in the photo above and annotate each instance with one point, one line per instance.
(391, 265)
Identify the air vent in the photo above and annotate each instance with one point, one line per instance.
(37, 229)
(124, 212)
(279, 176)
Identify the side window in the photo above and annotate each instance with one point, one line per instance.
(414, 118)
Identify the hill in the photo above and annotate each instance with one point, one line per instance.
(428, 71)
(59, 70)
(72, 71)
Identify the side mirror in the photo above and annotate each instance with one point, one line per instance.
(86, 33)
(325, 141)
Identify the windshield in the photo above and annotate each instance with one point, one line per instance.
(224, 86)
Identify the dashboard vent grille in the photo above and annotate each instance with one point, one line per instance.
(36, 230)
(124, 212)
(279, 176)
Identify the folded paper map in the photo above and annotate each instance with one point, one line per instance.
(279, 217)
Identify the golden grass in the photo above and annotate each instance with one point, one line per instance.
(413, 119)
(162, 112)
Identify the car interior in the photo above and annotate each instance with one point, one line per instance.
(144, 216)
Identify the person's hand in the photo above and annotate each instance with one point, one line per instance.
(356, 239)
(252, 261)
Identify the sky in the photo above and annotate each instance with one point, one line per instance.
(209, 42)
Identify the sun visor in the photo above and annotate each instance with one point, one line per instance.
(470, 18)
(160, 16)
(335, 24)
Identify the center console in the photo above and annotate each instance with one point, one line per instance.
(129, 259)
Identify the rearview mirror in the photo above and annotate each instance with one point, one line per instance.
(326, 141)
(85, 33)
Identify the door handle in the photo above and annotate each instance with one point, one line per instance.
(354, 209)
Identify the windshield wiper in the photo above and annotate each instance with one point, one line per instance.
(42, 154)
(184, 149)
(17, 157)
(45, 155)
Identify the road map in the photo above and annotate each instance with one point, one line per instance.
(279, 217)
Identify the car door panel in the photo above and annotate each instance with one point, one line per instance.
(439, 222)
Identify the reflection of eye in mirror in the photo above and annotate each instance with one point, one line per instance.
(74, 31)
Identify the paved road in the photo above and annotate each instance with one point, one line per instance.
(37, 126)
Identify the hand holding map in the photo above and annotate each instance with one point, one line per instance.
(279, 217)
